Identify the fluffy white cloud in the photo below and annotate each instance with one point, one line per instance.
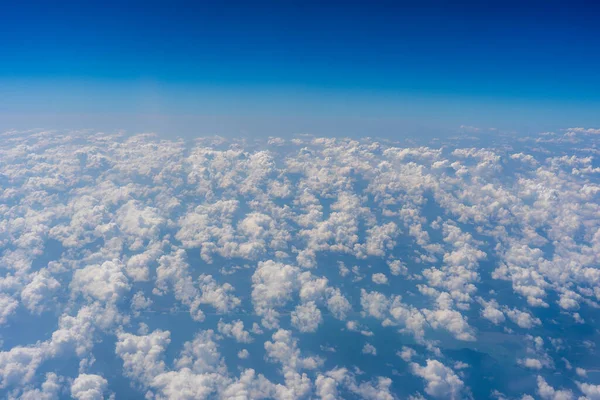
(521, 318)
(105, 282)
(306, 317)
(591, 391)
(441, 381)
(143, 355)
(272, 287)
(407, 353)
(368, 348)
(379, 279)
(235, 330)
(88, 387)
(18, 365)
(547, 392)
(284, 349)
(38, 293)
(50, 389)
(491, 311)
(201, 355)
(8, 306)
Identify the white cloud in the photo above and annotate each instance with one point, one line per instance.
(338, 305)
(140, 302)
(89, 387)
(521, 318)
(39, 292)
(379, 279)
(143, 355)
(272, 287)
(235, 330)
(105, 282)
(306, 317)
(407, 353)
(591, 391)
(547, 392)
(368, 348)
(441, 381)
(452, 321)
(8, 306)
(201, 355)
(491, 311)
(50, 389)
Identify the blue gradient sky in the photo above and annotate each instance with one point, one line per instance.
(358, 68)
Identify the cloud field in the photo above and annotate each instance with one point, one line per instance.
(305, 268)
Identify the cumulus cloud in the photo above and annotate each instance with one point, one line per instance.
(38, 293)
(8, 306)
(523, 319)
(407, 353)
(143, 355)
(235, 330)
(306, 317)
(547, 392)
(591, 391)
(368, 348)
(88, 387)
(104, 233)
(379, 279)
(105, 282)
(441, 381)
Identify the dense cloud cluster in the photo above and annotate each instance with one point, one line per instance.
(134, 266)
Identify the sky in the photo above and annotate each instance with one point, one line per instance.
(317, 260)
(275, 68)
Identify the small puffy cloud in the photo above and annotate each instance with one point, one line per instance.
(531, 363)
(380, 279)
(461, 365)
(39, 292)
(397, 267)
(452, 321)
(235, 330)
(547, 392)
(140, 302)
(105, 282)
(441, 381)
(284, 349)
(368, 348)
(338, 305)
(89, 387)
(491, 312)
(524, 319)
(272, 286)
(221, 297)
(201, 355)
(50, 389)
(19, 365)
(143, 355)
(591, 391)
(407, 353)
(8, 306)
(306, 317)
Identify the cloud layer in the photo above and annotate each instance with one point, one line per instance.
(298, 268)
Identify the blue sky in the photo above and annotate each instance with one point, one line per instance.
(380, 68)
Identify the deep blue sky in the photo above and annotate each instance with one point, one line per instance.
(256, 67)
